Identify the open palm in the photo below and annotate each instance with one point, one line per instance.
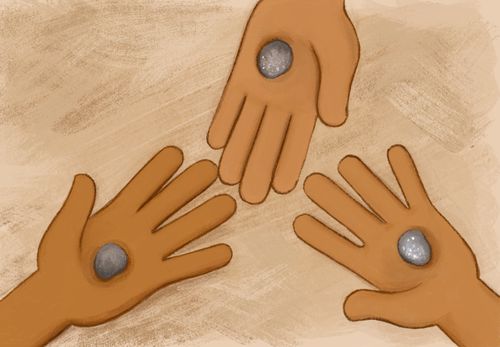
(410, 296)
(265, 125)
(132, 220)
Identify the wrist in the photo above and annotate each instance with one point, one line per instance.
(47, 294)
(33, 313)
(474, 318)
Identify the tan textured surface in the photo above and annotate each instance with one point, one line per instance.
(100, 86)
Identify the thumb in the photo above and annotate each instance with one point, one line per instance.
(338, 56)
(69, 222)
(400, 308)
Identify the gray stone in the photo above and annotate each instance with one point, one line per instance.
(275, 59)
(414, 248)
(109, 261)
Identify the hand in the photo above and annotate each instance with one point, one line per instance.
(66, 279)
(444, 292)
(266, 125)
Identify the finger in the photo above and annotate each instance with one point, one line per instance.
(294, 153)
(194, 264)
(149, 180)
(407, 176)
(338, 204)
(330, 243)
(70, 221)
(234, 158)
(370, 188)
(184, 188)
(226, 115)
(338, 60)
(264, 156)
(194, 224)
(399, 308)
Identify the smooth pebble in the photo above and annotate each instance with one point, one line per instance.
(275, 59)
(109, 261)
(414, 248)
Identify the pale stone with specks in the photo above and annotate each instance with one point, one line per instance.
(414, 248)
(275, 59)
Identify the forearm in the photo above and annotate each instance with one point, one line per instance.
(475, 320)
(340, 3)
(31, 315)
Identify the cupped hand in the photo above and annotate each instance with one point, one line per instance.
(132, 220)
(409, 295)
(265, 125)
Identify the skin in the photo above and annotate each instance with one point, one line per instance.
(65, 290)
(447, 292)
(265, 125)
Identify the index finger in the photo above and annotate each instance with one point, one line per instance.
(149, 180)
(184, 188)
(407, 176)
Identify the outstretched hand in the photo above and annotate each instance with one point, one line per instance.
(265, 125)
(66, 283)
(131, 220)
(446, 291)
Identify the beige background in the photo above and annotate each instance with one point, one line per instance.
(100, 86)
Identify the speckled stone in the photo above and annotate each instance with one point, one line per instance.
(275, 59)
(109, 261)
(414, 248)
